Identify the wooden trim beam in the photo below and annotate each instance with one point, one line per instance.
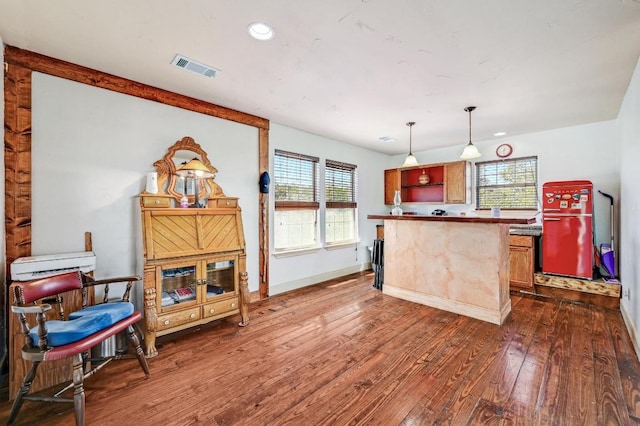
(263, 223)
(69, 71)
(20, 65)
(17, 163)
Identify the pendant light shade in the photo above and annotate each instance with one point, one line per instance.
(470, 151)
(411, 159)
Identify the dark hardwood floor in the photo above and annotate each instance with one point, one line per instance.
(342, 353)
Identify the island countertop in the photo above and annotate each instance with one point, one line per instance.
(466, 219)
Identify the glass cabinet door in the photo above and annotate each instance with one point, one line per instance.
(178, 285)
(220, 278)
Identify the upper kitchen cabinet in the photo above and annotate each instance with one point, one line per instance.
(457, 183)
(443, 183)
(391, 184)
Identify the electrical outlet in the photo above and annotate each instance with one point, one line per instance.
(627, 293)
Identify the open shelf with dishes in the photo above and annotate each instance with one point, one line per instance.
(442, 183)
(422, 184)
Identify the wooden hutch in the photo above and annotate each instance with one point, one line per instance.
(194, 258)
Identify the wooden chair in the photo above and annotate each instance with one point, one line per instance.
(52, 340)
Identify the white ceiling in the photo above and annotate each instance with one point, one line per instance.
(356, 70)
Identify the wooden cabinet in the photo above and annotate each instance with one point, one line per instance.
(194, 267)
(456, 180)
(194, 258)
(445, 183)
(521, 261)
(391, 184)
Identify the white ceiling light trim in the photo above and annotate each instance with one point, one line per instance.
(261, 31)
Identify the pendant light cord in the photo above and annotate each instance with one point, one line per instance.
(469, 109)
(410, 124)
(469, 126)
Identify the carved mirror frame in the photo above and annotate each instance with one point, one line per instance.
(168, 180)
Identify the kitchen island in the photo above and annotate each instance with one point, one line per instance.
(458, 264)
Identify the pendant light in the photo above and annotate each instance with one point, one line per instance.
(470, 151)
(411, 159)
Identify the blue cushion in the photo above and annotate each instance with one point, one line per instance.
(64, 332)
(84, 323)
(116, 310)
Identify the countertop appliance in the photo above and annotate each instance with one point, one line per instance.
(567, 221)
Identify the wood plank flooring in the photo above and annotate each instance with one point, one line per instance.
(342, 353)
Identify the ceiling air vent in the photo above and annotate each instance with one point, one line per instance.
(191, 65)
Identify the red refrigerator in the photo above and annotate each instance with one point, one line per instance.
(567, 228)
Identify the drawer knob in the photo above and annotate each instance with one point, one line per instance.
(228, 203)
(233, 305)
(157, 202)
(166, 322)
(211, 310)
(192, 316)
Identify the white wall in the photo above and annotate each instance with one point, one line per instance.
(91, 150)
(287, 273)
(580, 152)
(629, 133)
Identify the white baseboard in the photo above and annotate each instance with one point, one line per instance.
(633, 333)
(307, 281)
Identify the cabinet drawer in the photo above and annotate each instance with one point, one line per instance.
(521, 240)
(178, 318)
(222, 203)
(218, 308)
(156, 201)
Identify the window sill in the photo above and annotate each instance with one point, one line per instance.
(340, 245)
(295, 252)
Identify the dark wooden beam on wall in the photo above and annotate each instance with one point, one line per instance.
(69, 71)
(20, 64)
(17, 162)
(263, 166)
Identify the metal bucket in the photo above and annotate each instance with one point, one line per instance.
(114, 345)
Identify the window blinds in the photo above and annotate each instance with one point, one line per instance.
(507, 184)
(295, 181)
(340, 185)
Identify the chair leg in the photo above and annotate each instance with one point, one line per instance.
(78, 385)
(24, 390)
(135, 341)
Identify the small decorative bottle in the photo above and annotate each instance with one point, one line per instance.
(396, 210)
(184, 201)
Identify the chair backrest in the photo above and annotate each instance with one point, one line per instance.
(30, 291)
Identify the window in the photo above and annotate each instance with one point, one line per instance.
(340, 198)
(507, 184)
(295, 179)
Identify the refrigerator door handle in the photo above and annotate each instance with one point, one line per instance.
(551, 218)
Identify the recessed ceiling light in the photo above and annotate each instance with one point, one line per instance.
(260, 31)
(499, 133)
(386, 139)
